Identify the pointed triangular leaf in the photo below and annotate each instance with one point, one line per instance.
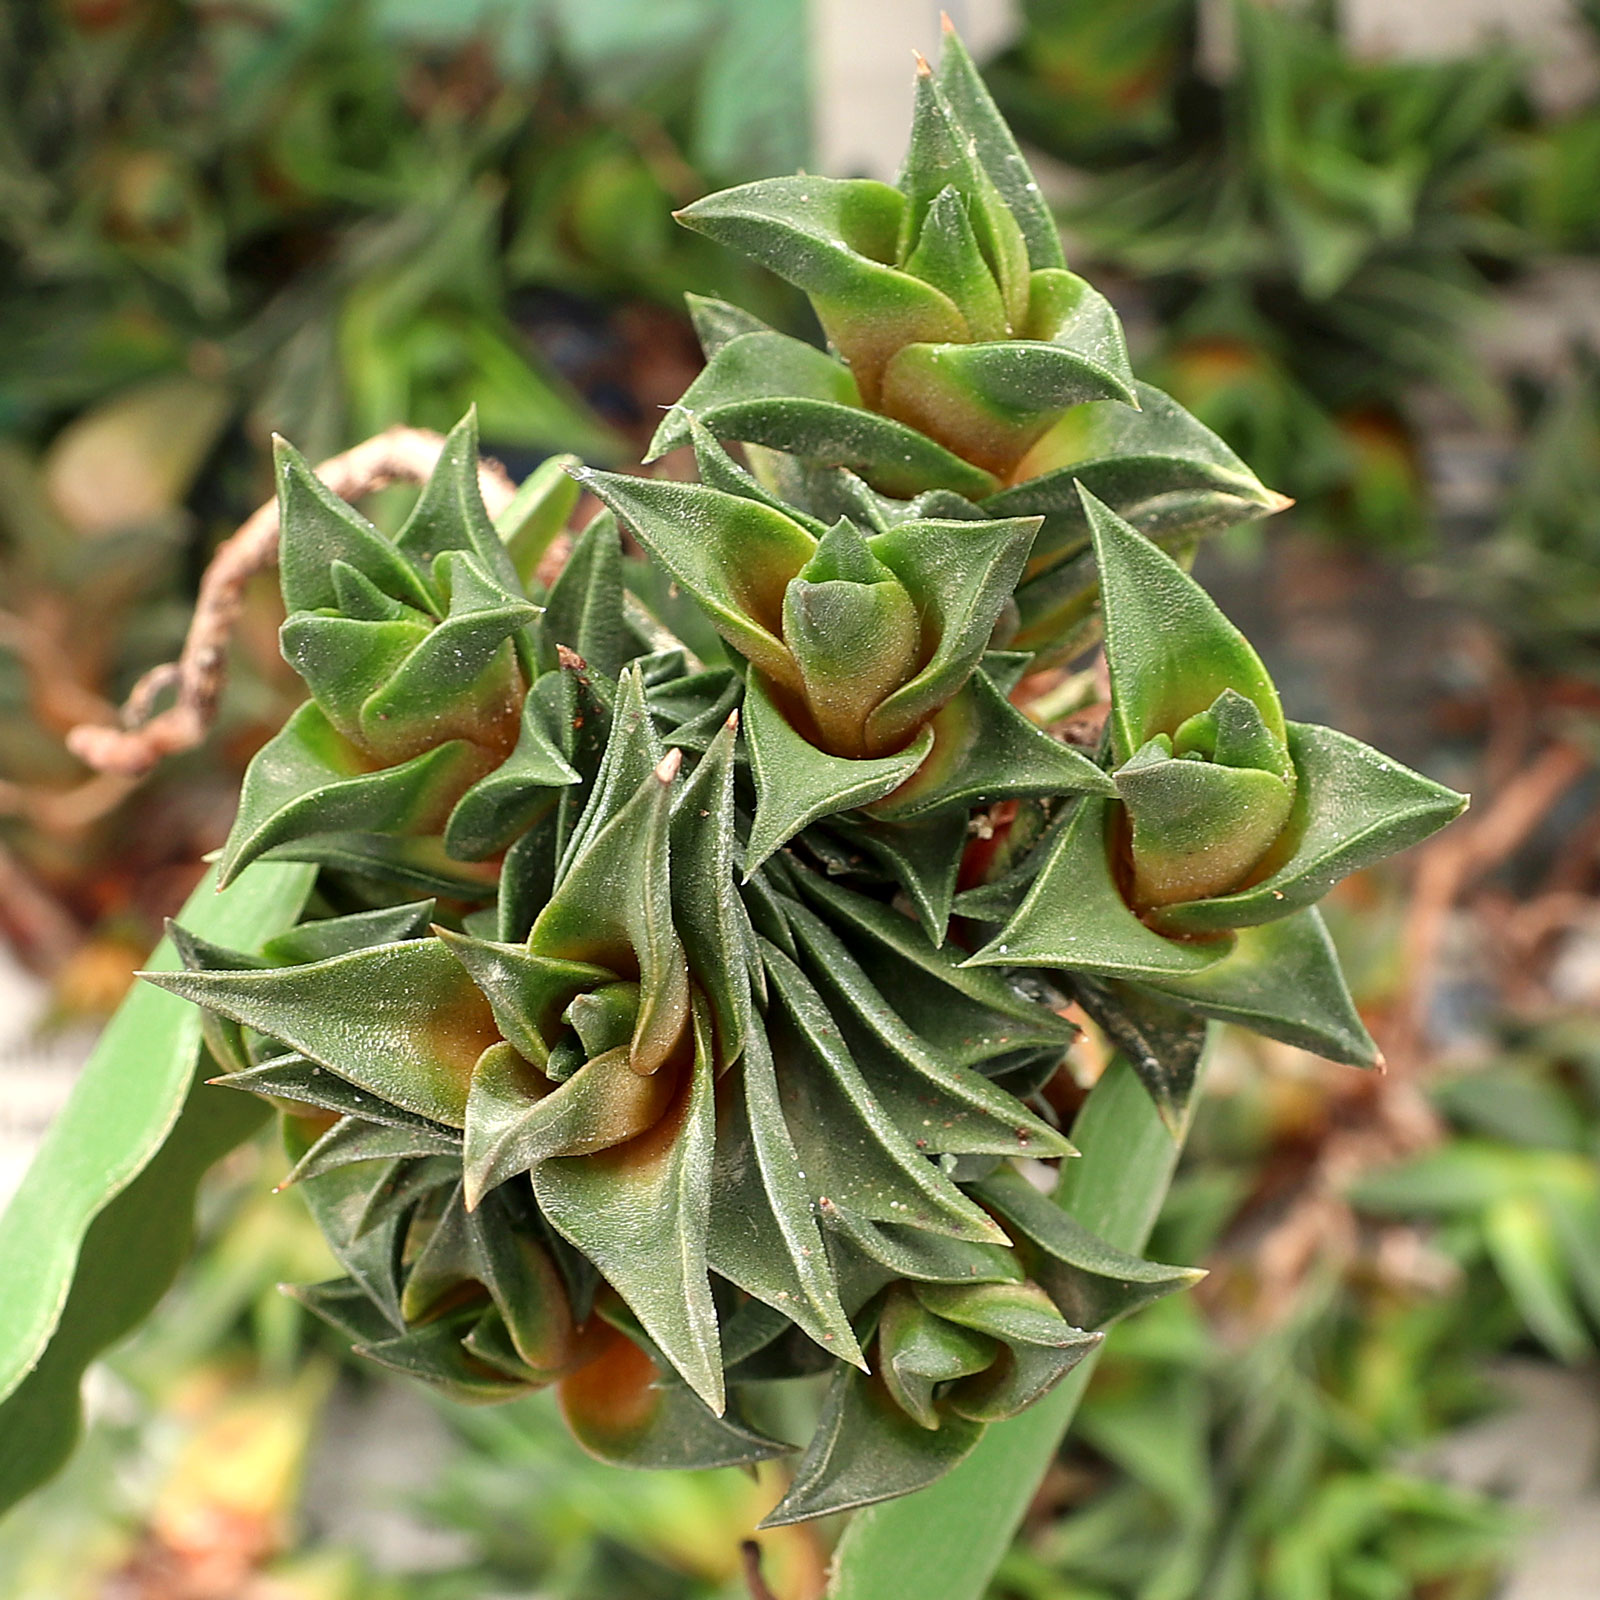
(1353, 806)
(527, 992)
(335, 936)
(716, 322)
(735, 556)
(293, 1077)
(763, 1234)
(797, 784)
(308, 779)
(833, 238)
(985, 749)
(923, 857)
(1092, 1282)
(1170, 651)
(994, 145)
(351, 1139)
(641, 1212)
(1074, 916)
(449, 513)
(517, 1118)
(1281, 979)
(755, 366)
(403, 1021)
(867, 1449)
(318, 528)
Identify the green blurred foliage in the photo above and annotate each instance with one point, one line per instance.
(1221, 1458)
(319, 218)
(1320, 232)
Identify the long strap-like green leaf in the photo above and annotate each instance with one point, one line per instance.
(102, 1220)
(945, 1542)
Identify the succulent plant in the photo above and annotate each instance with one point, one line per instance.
(711, 1053)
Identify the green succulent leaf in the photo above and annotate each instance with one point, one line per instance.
(716, 322)
(949, 256)
(763, 1231)
(798, 784)
(1353, 806)
(1198, 826)
(855, 635)
(517, 1117)
(292, 1076)
(985, 749)
(402, 1021)
(735, 556)
(754, 366)
(641, 1211)
(942, 1105)
(1170, 651)
(835, 239)
(868, 1448)
(895, 458)
(718, 470)
(463, 679)
(942, 158)
(1157, 467)
(1091, 1282)
(1074, 916)
(1282, 979)
(923, 857)
(950, 1003)
(450, 515)
(920, 1351)
(995, 146)
(352, 1139)
(318, 529)
(334, 936)
(309, 780)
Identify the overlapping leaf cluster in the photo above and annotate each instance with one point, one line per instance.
(670, 1020)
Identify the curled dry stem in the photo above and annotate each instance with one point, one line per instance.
(398, 455)
(750, 1552)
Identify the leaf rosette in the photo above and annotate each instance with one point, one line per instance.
(419, 656)
(966, 362)
(864, 687)
(1195, 883)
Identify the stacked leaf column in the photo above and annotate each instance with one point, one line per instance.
(692, 940)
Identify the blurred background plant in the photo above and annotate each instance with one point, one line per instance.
(219, 220)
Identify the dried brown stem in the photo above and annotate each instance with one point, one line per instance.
(1453, 861)
(400, 455)
(36, 922)
(750, 1553)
